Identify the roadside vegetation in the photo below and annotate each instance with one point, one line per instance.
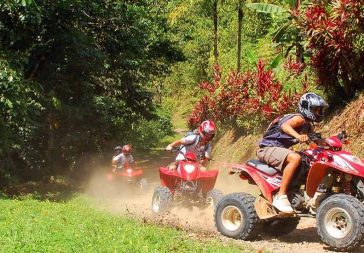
(79, 77)
(30, 225)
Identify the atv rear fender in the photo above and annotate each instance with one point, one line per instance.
(253, 175)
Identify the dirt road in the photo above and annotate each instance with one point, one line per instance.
(200, 223)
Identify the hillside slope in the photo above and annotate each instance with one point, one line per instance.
(232, 148)
(350, 119)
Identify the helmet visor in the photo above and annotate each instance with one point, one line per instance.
(318, 110)
(209, 136)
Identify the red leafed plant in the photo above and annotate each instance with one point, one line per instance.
(334, 30)
(243, 96)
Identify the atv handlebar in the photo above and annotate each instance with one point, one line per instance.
(312, 137)
(342, 136)
(317, 138)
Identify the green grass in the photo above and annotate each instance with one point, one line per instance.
(29, 225)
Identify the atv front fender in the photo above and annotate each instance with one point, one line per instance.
(208, 180)
(317, 173)
(168, 177)
(315, 176)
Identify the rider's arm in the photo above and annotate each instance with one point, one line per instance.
(295, 122)
(116, 159)
(114, 162)
(174, 144)
(207, 156)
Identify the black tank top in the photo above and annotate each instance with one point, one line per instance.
(275, 137)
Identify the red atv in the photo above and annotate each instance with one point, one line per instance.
(340, 214)
(128, 175)
(187, 183)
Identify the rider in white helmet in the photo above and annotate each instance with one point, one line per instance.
(122, 158)
(197, 143)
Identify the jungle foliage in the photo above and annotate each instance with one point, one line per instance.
(78, 77)
(301, 45)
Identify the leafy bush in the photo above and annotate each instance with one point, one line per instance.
(335, 35)
(254, 96)
(20, 105)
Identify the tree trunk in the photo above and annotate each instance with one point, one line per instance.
(216, 52)
(240, 22)
(299, 52)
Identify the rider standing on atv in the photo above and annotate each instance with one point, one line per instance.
(197, 142)
(122, 157)
(281, 135)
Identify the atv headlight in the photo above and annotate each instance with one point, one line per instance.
(190, 167)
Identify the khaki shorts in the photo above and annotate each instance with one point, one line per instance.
(274, 156)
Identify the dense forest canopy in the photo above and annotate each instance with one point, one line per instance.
(78, 77)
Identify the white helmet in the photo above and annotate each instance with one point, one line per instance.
(308, 104)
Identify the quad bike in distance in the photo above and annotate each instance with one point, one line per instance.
(188, 184)
(325, 165)
(127, 175)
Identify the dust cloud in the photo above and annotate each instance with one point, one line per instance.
(198, 222)
(126, 199)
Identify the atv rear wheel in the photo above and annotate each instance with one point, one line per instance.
(162, 198)
(235, 216)
(340, 222)
(213, 196)
(279, 227)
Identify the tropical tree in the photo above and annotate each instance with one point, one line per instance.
(240, 21)
(288, 32)
(75, 79)
(209, 6)
(334, 31)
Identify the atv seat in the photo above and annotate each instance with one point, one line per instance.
(265, 168)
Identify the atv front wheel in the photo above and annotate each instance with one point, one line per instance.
(162, 198)
(340, 222)
(279, 227)
(143, 184)
(213, 196)
(235, 216)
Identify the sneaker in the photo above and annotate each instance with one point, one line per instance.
(282, 204)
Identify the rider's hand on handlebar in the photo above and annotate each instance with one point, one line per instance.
(302, 138)
(169, 148)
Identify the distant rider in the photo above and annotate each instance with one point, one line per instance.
(197, 142)
(282, 134)
(122, 158)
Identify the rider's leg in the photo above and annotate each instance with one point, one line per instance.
(172, 166)
(281, 158)
(203, 164)
(281, 201)
(293, 161)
